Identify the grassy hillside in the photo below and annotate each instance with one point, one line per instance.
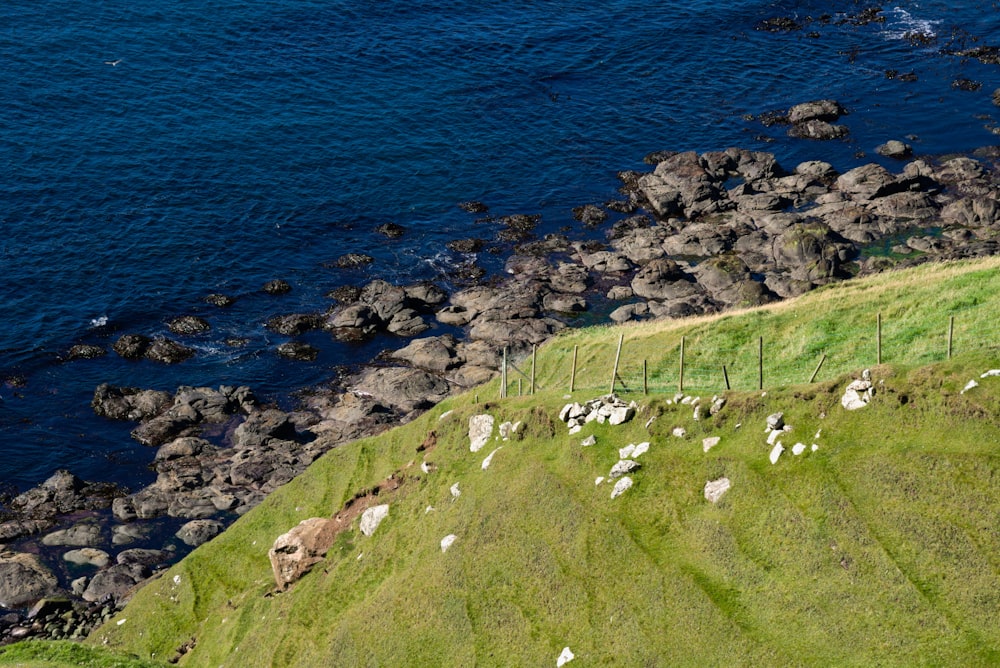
(878, 548)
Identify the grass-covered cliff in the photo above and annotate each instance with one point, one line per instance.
(879, 547)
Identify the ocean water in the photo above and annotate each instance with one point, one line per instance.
(154, 152)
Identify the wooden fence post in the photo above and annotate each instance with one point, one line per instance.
(878, 332)
(645, 386)
(572, 373)
(951, 333)
(532, 369)
(614, 372)
(680, 377)
(821, 360)
(760, 362)
(725, 375)
(503, 375)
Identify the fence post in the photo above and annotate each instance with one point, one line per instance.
(503, 375)
(614, 372)
(878, 331)
(951, 333)
(645, 386)
(518, 387)
(532, 369)
(572, 373)
(760, 362)
(725, 375)
(680, 378)
(821, 360)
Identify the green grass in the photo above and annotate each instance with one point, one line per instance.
(66, 654)
(880, 548)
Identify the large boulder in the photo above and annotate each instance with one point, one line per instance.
(196, 532)
(23, 580)
(663, 279)
(116, 582)
(63, 493)
(402, 388)
(295, 552)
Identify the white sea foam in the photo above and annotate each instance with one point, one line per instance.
(99, 322)
(899, 23)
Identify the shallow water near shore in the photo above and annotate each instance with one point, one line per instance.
(156, 152)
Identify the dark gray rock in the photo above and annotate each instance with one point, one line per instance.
(299, 351)
(131, 346)
(24, 580)
(129, 403)
(436, 353)
(277, 287)
(115, 583)
(83, 351)
(294, 324)
(403, 388)
(167, 351)
(188, 324)
(197, 532)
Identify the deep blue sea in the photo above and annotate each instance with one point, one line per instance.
(155, 151)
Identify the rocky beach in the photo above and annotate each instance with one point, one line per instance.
(696, 234)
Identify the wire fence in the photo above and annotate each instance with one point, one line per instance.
(696, 362)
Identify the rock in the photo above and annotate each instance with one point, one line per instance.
(115, 582)
(129, 403)
(968, 386)
(85, 535)
(63, 493)
(489, 459)
(88, 556)
(816, 129)
(823, 110)
(455, 492)
(710, 442)
(277, 287)
(23, 580)
(296, 551)
(167, 351)
(508, 429)
(222, 301)
(294, 324)
(622, 467)
(621, 415)
(435, 353)
(776, 452)
(144, 557)
(196, 532)
(83, 351)
(372, 517)
(679, 432)
(188, 325)
(131, 346)
(402, 388)
(296, 350)
(858, 394)
(590, 440)
(480, 431)
(798, 449)
(466, 245)
(621, 487)
(448, 541)
(390, 230)
(992, 372)
(895, 149)
(716, 488)
(775, 421)
(564, 657)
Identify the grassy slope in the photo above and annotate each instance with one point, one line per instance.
(879, 548)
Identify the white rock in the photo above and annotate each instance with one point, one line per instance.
(798, 449)
(425, 467)
(815, 447)
(599, 480)
(177, 579)
(678, 397)
(686, 401)
(590, 440)
(679, 432)
(445, 414)
(447, 541)
(621, 415)
(718, 403)
(626, 452)
(621, 486)
(716, 488)
(640, 448)
(623, 467)
(775, 421)
(480, 430)
(650, 421)
(773, 436)
(455, 492)
(697, 413)
(991, 372)
(968, 386)
(428, 509)
(489, 459)
(506, 429)
(710, 442)
(853, 400)
(371, 518)
(575, 429)
(776, 452)
(564, 413)
(564, 658)
(818, 431)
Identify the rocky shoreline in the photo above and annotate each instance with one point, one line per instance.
(700, 233)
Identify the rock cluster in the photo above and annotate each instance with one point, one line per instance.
(858, 393)
(608, 408)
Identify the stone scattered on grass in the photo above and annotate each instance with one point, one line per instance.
(858, 393)
(679, 432)
(489, 459)
(455, 491)
(633, 450)
(798, 449)
(372, 517)
(991, 372)
(565, 657)
(599, 480)
(447, 541)
(590, 440)
(968, 386)
(623, 467)
(718, 403)
(776, 452)
(608, 408)
(716, 488)
(710, 442)
(480, 430)
(621, 487)
(775, 421)
(508, 429)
